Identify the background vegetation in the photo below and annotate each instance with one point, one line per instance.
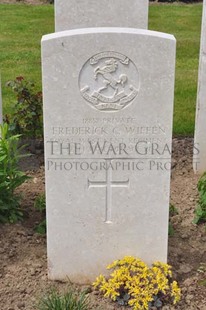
(22, 27)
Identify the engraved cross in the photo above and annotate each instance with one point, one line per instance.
(108, 185)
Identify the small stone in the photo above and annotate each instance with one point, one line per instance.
(21, 305)
(44, 278)
(32, 271)
(188, 282)
(184, 236)
(11, 254)
(185, 269)
(188, 299)
(38, 266)
(21, 233)
(184, 159)
(95, 293)
(109, 307)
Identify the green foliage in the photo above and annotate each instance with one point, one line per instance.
(41, 228)
(20, 44)
(200, 211)
(27, 117)
(40, 205)
(184, 22)
(202, 282)
(171, 230)
(67, 301)
(202, 270)
(10, 176)
(172, 212)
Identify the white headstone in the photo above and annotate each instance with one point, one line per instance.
(199, 161)
(73, 14)
(108, 107)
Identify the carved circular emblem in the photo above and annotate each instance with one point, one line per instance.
(109, 81)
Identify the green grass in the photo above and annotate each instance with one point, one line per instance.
(67, 301)
(184, 21)
(21, 29)
(22, 26)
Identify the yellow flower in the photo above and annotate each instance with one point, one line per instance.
(130, 276)
(176, 292)
(99, 281)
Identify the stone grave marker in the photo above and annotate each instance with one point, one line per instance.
(73, 14)
(199, 160)
(108, 110)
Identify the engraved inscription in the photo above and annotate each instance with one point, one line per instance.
(108, 185)
(109, 81)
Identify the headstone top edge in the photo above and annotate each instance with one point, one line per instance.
(114, 30)
(74, 14)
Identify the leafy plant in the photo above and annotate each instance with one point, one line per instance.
(10, 176)
(141, 287)
(171, 230)
(200, 211)
(67, 301)
(202, 282)
(27, 119)
(172, 212)
(40, 205)
(202, 270)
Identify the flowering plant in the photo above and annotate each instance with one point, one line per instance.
(135, 284)
(27, 118)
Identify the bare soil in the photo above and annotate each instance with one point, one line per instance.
(23, 263)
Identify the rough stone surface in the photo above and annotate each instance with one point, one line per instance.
(75, 14)
(199, 162)
(108, 129)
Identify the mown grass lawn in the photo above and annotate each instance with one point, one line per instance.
(184, 21)
(21, 29)
(22, 26)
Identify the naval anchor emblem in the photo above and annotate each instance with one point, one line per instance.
(109, 81)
